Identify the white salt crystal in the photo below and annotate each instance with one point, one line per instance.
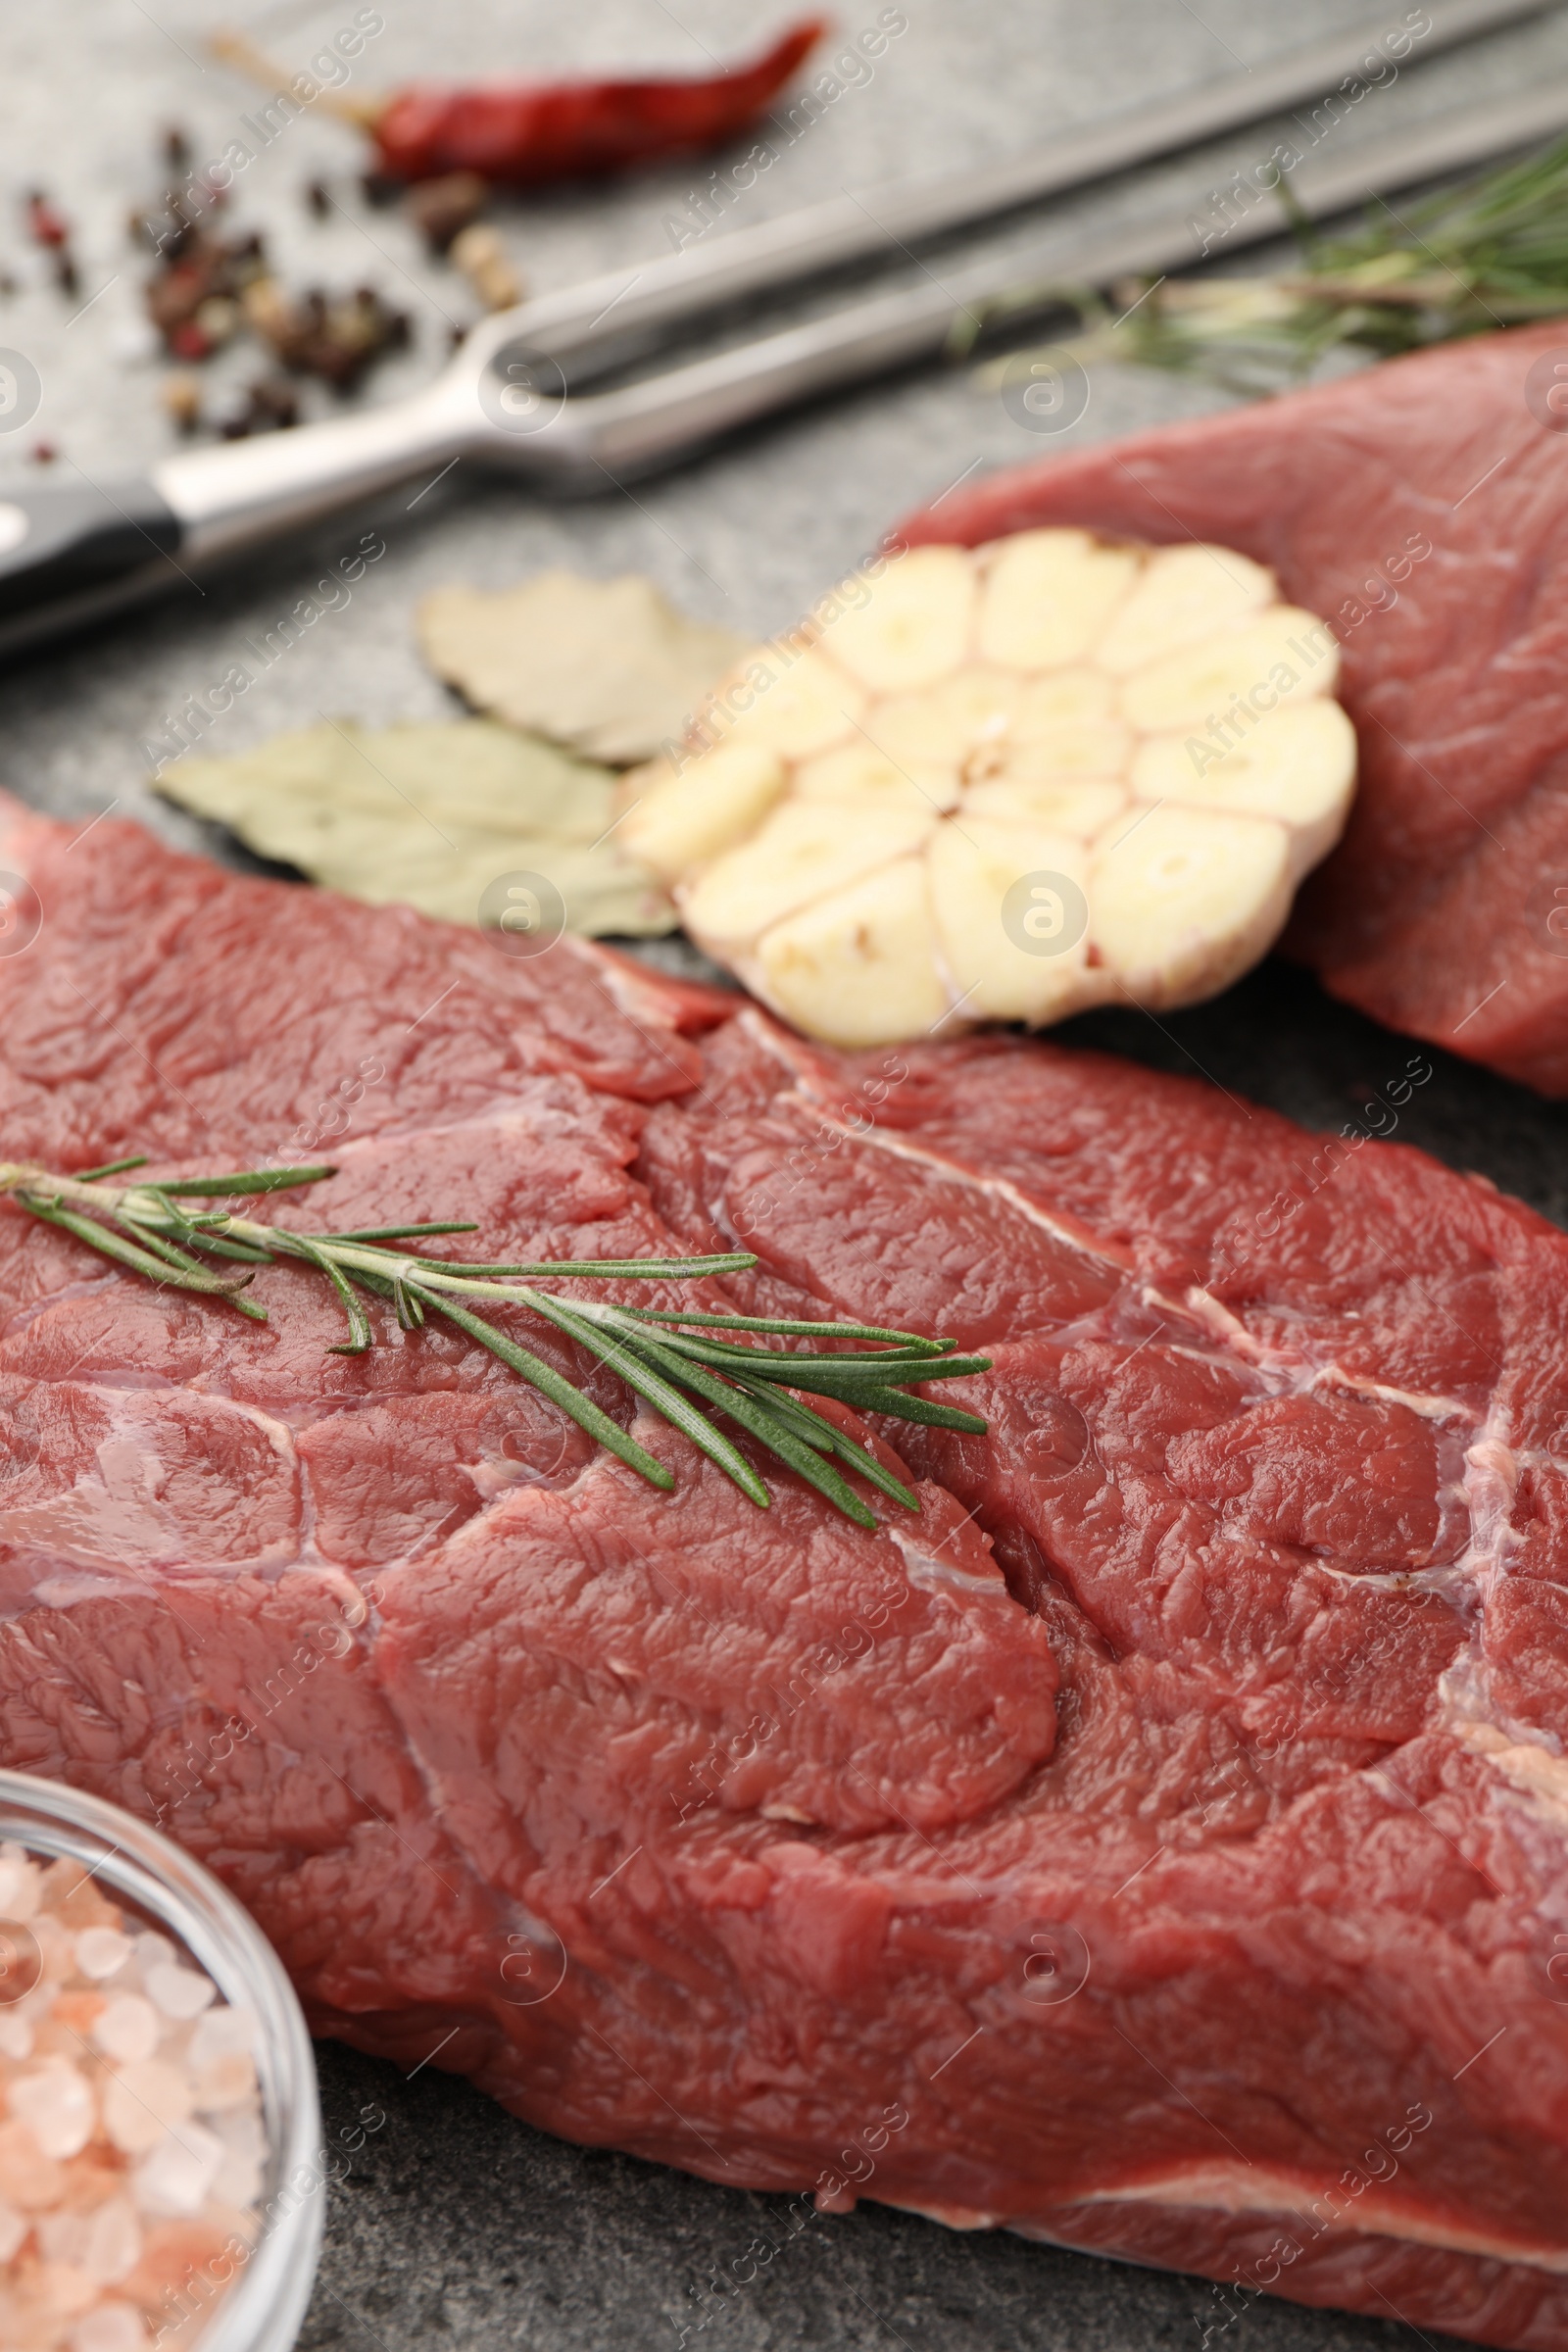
(133, 2127)
(113, 2243)
(178, 2178)
(102, 1952)
(225, 2082)
(16, 2036)
(112, 2328)
(237, 2181)
(62, 2238)
(54, 1942)
(20, 1884)
(127, 2028)
(13, 2228)
(178, 1993)
(223, 2033)
(57, 2106)
(153, 1950)
(143, 2101)
(244, 2134)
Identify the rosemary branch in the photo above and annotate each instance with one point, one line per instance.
(668, 1357)
(1491, 253)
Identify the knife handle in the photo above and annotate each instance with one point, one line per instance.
(67, 550)
(63, 537)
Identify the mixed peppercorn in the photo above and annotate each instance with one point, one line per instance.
(438, 152)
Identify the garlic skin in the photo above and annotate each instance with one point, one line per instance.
(1015, 781)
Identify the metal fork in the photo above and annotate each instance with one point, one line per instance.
(70, 556)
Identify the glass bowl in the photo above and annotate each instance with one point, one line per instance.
(263, 2309)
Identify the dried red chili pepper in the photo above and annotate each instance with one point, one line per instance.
(526, 137)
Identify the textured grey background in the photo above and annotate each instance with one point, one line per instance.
(456, 2226)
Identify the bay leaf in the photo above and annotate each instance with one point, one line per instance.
(430, 816)
(607, 666)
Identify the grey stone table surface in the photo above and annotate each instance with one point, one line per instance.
(454, 2225)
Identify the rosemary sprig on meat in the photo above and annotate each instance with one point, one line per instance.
(668, 1357)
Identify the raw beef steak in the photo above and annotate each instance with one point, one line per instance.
(1421, 508)
(1157, 1845)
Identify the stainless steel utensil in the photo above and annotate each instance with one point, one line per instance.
(71, 555)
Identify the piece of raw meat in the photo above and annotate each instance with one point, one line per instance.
(1157, 1845)
(1421, 507)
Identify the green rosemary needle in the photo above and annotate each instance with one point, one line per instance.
(676, 1361)
(1490, 252)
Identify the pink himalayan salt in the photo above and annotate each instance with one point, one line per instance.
(178, 1993)
(102, 1952)
(143, 2102)
(112, 2328)
(57, 2105)
(131, 2143)
(30, 2180)
(127, 2027)
(178, 2178)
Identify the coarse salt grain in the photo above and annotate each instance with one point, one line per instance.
(142, 2103)
(20, 1884)
(102, 1952)
(243, 2132)
(113, 2243)
(179, 1992)
(57, 2106)
(112, 2328)
(62, 2238)
(237, 2181)
(28, 2178)
(179, 2176)
(224, 2082)
(127, 2028)
(223, 2033)
(55, 1946)
(239, 2176)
